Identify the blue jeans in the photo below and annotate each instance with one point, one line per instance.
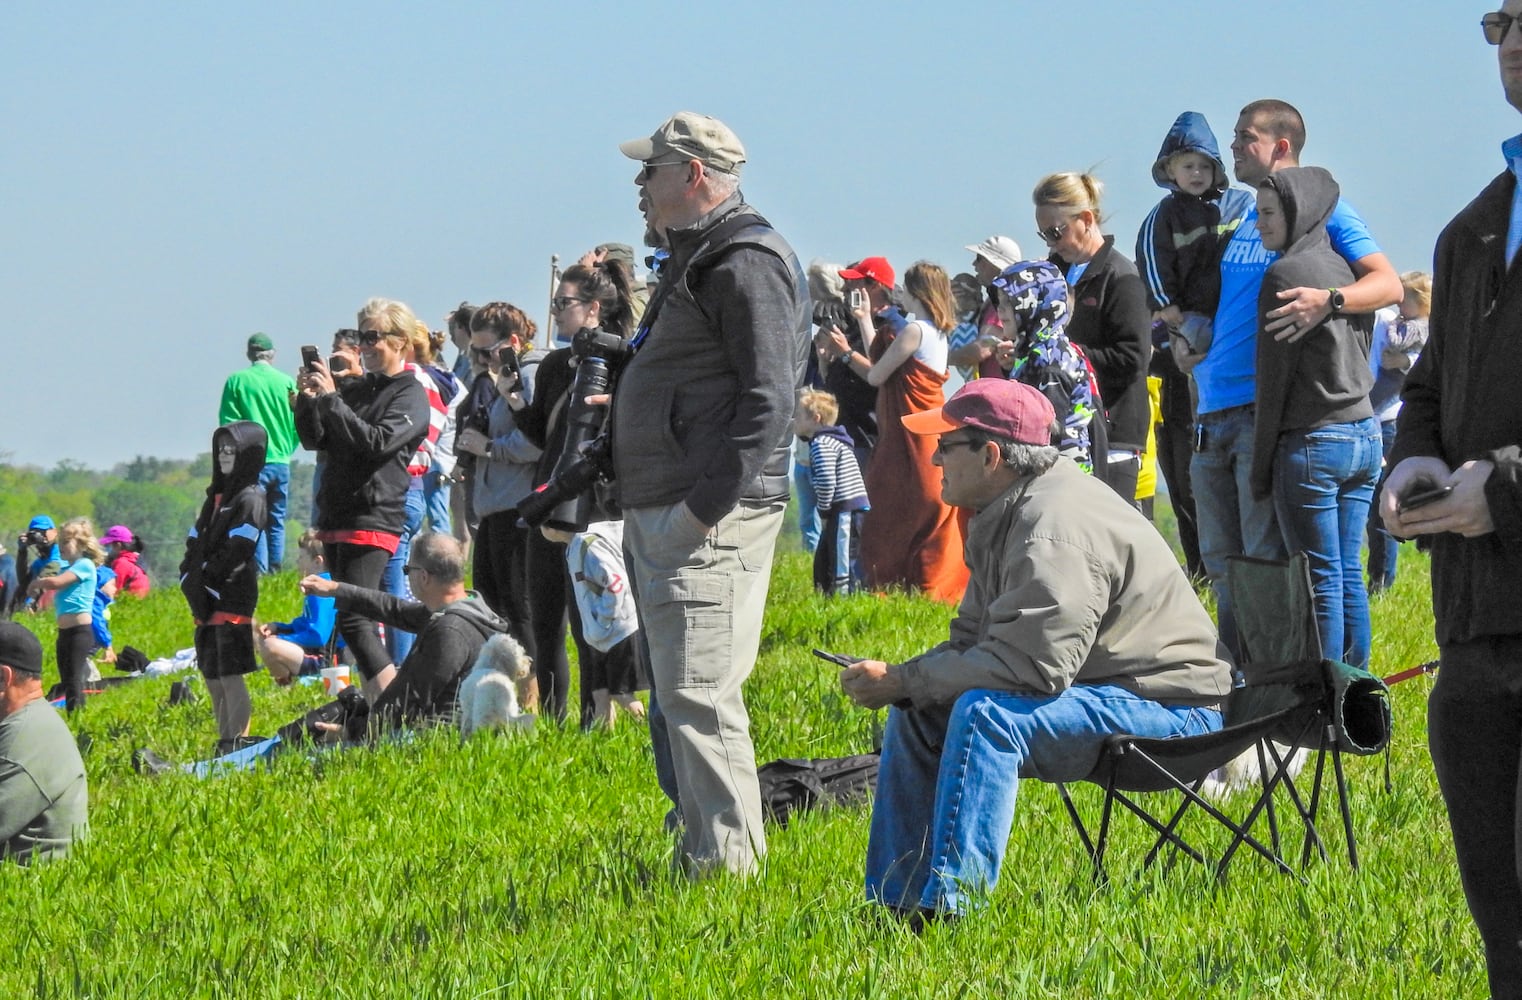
(1231, 522)
(269, 552)
(808, 506)
(1384, 550)
(394, 580)
(436, 502)
(1323, 482)
(947, 783)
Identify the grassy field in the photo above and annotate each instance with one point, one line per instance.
(530, 867)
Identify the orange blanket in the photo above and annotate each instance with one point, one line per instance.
(910, 538)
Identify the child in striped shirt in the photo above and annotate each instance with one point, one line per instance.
(838, 488)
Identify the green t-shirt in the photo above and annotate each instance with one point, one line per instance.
(44, 800)
(262, 393)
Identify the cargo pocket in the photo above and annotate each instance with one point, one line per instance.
(698, 606)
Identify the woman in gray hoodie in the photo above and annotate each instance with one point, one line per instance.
(1316, 442)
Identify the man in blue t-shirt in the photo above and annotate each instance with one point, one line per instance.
(1269, 136)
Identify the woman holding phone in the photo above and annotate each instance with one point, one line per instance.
(368, 427)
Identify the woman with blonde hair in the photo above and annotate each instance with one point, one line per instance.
(1109, 321)
(910, 537)
(75, 600)
(369, 428)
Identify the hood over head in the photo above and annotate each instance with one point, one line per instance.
(1190, 134)
(1309, 195)
(1039, 294)
(250, 440)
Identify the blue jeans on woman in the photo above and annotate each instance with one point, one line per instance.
(394, 580)
(946, 786)
(1384, 550)
(1323, 484)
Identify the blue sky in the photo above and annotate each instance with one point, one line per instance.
(177, 176)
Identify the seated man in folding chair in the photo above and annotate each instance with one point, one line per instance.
(1077, 623)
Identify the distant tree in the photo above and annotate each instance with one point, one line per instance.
(160, 515)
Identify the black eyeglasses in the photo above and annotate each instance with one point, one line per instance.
(1054, 233)
(562, 302)
(409, 567)
(370, 338)
(943, 446)
(1496, 26)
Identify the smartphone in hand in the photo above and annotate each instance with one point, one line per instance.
(1421, 494)
(837, 658)
(311, 358)
(858, 298)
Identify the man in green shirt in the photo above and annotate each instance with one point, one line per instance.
(262, 393)
(44, 801)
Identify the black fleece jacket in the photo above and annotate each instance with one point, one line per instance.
(1461, 404)
(369, 429)
(1323, 378)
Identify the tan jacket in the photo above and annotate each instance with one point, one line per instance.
(1070, 585)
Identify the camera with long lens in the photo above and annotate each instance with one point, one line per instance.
(566, 499)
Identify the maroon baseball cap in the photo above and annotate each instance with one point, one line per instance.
(876, 268)
(999, 406)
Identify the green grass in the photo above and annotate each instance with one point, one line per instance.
(531, 867)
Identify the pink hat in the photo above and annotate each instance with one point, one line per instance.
(116, 533)
(999, 406)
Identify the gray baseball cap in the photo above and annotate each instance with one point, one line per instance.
(688, 135)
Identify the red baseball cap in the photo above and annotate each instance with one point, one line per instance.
(999, 406)
(876, 268)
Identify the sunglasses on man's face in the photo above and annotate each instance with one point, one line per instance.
(1496, 26)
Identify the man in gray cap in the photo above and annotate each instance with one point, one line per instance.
(701, 420)
(262, 393)
(43, 797)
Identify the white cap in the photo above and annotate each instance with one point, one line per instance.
(1000, 251)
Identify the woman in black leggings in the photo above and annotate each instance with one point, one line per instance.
(368, 427)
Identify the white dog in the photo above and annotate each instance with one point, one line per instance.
(489, 693)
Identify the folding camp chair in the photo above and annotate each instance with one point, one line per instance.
(1287, 696)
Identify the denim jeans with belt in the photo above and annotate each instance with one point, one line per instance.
(947, 782)
(1231, 522)
(1323, 482)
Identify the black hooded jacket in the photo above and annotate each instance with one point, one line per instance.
(218, 573)
(1323, 378)
(1110, 322)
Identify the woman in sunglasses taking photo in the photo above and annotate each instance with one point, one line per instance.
(369, 428)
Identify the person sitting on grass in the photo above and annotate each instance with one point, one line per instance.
(1078, 623)
(44, 799)
(451, 625)
(295, 648)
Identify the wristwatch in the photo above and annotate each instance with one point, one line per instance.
(1337, 301)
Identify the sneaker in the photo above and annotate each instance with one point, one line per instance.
(145, 761)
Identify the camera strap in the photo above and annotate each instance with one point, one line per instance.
(719, 234)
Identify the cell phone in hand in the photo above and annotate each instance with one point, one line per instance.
(837, 658)
(508, 359)
(310, 357)
(858, 298)
(1422, 494)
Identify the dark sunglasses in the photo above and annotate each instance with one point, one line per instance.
(943, 446)
(1496, 26)
(562, 302)
(370, 338)
(486, 353)
(1053, 233)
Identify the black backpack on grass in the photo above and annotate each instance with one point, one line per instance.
(791, 784)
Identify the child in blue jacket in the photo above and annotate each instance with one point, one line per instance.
(297, 647)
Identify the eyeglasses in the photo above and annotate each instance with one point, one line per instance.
(370, 338)
(1496, 26)
(562, 302)
(1053, 233)
(652, 164)
(943, 446)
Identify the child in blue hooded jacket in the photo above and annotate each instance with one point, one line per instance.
(1178, 250)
